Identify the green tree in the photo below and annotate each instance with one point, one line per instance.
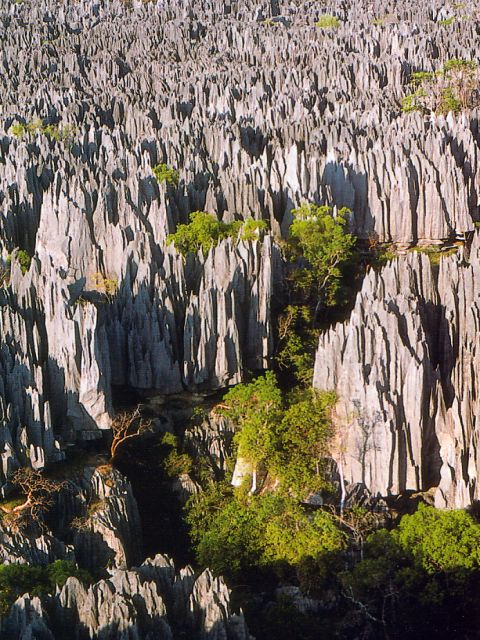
(255, 408)
(301, 440)
(321, 238)
(452, 88)
(414, 577)
(164, 173)
(270, 531)
(17, 579)
(202, 232)
(440, 540)
(205, 231)
(290, 534)
(297, 342)
(252, 229)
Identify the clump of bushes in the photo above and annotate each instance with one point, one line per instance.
(288, 438)
(205, 231)
(24, 260)
(17, 579)
(164, 173)
(412, 577)
(454, 88)
(106, 284)
(435, 253)
(174, 462)
(328, 21)
(319, 236)
(447, 21)
(51, 131)
(233, 532)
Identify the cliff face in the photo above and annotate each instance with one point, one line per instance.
(259, 110)
(152, 602)
(404, 368)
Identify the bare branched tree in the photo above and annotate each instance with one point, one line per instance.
(127, 425)
(39, 493)
(358, 523)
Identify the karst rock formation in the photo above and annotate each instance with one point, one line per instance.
(259, 110)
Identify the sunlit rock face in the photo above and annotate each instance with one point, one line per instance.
(258, 110)
(404, 367)
(149, 602)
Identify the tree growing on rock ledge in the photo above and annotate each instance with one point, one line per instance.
(39, 493)
(319, 236)
(454, 88)
(126, 426)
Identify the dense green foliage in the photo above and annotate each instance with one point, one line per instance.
(320, 237)
(17, 579)
(51, 131)
(24, 260)
(205, 231)
(297, 341)
(174, 462)
(164, 173)
(451, 89)
(419, 576)
(234, 532)
(327, 21)
(290, 438)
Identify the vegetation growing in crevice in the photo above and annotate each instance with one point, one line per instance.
(38, 126)
(166, 174)
(18, 579)
(284, 524)
(105, 284)
(327, 21)
(435, 253)
(289, 436)
(453, 88)
(205, 231)
(23, 259)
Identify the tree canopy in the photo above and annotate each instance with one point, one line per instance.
(290, 438)
(205, 231)
(320, 237)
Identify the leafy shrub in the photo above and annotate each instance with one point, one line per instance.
(16, 579)
(291, 441)
(435, 253)
(447, 22)
(164, 173)
(412, 577)
(174, 463)
(52, 131)
(252, 229)
(320, 238)
(24, 260)
(302, 438)
(453, 88)
(328, 21)
(440, 540)
(106, 284)
(297, 342)
(205, 231)
(241, 532)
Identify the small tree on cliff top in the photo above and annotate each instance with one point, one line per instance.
(321, 238)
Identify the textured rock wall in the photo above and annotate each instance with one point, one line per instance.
(150, 602)
(404, 367)
(258, 110)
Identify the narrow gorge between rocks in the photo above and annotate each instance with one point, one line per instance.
(239, 320)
